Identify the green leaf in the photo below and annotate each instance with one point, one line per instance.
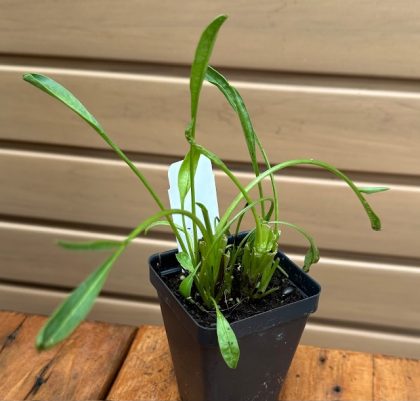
(185, 261)
(201, 60)
(74, 308)
(58, 91)
(372, 190)
(312, 255)
(206, 218)
(228, 343)
(89, 246)
(235, 100)
(184, 176)
(218, 80)
(186, 285)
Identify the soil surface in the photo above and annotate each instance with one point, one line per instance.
(236, 308)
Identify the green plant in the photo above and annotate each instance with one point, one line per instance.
(208, 261)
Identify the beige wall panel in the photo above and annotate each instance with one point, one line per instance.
(348, 338)
(359, 129)
(113, 310)
(135, 313)
(357, 37)
(30, 254)
(352, 291)
(85, 190)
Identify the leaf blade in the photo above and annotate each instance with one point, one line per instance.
(227, 340)
(372, 190)
(201, 60)
(62, 94)
(75, 308)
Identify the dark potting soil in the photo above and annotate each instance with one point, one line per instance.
(235, 308)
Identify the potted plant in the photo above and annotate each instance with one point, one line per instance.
(234, 307)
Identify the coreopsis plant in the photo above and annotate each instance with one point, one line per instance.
(210, 262)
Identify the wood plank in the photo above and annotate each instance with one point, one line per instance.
(340, 121)
(352, 291)
(326, 208)
(106, 309)
(315, 374)
(115, 310)
(361, 37)
(10, 324)
(396, 379)
(147, 372)
(43, 262)
(325, 374)
(355, 338)
(80, 369)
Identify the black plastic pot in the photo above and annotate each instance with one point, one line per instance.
(267, 341)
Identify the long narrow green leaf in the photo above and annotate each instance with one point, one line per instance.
(74, 308)
(100, 245)
(227, 340)
(58, 91)
(372, 190)
(201, 60)
(373, 217)
(184, 175)
(251, 138)
(62, 94)
(312, 255)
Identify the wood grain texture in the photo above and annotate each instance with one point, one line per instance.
(80, 369)
(361, 37)
(396, 379)
(43, 262)
(68, 188)
(352, 291)
(315, 374)
(10, 324)
(147, 372)
(108, 309)
(362, 126)
(321, 374)
(374, 340)
(115, 310)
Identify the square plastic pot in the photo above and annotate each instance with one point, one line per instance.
(267, 341)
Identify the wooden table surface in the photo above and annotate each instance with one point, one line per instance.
(103, 361)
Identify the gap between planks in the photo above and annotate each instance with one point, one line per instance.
(315, 374)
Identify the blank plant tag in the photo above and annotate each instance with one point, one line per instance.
(205, 193)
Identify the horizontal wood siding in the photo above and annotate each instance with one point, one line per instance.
(348, 285)
(323, 80)
(324, 207)
(294, 120)
(360, 37)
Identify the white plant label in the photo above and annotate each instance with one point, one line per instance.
(205, 193)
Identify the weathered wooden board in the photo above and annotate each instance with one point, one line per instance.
(115, 310)
(352, 291)
(359, 37)
(86, 190)
(147, 372)
(360, 126)
(321, 374)
(80, 369)
(315, 374)
(396, 379)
